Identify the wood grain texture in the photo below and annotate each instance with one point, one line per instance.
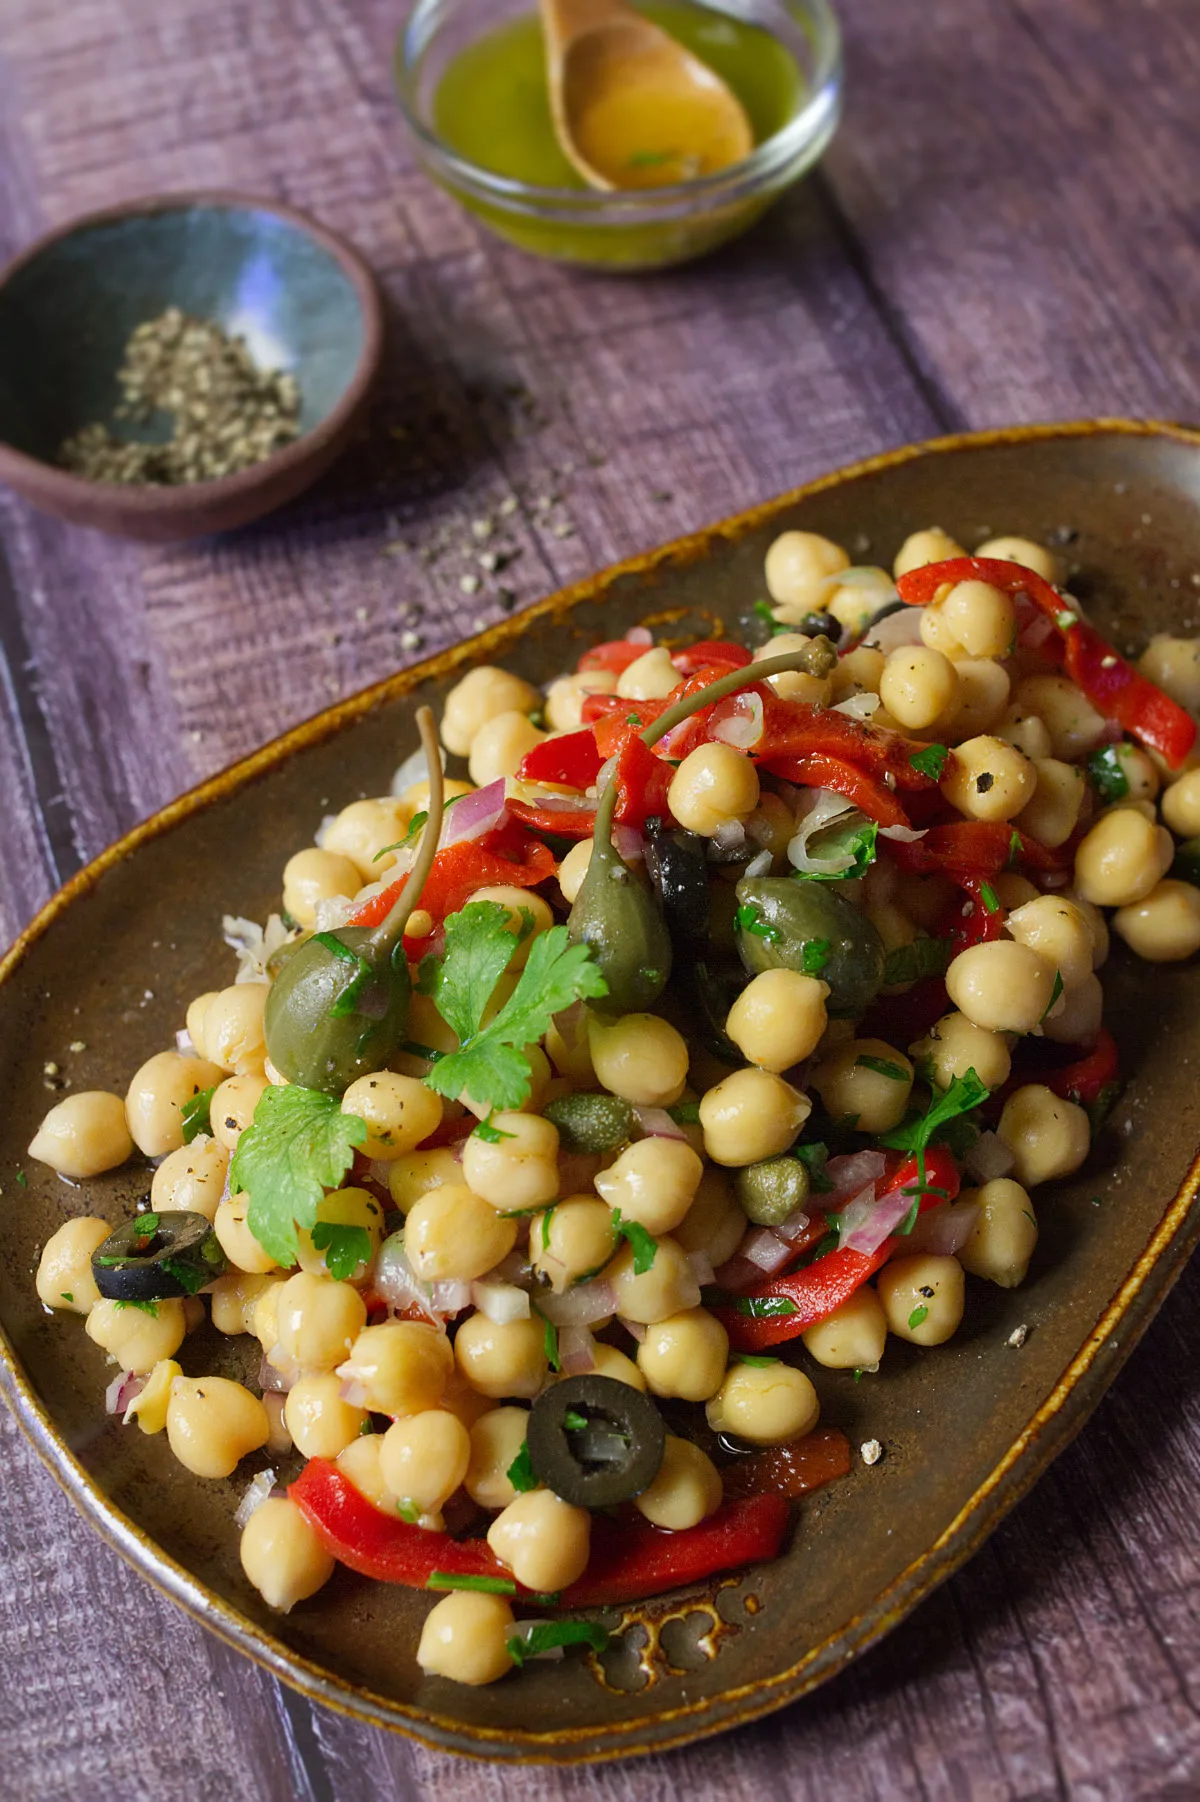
(1001, 232)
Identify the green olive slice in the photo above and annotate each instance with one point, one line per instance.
(158, 1255)
(594, 1441)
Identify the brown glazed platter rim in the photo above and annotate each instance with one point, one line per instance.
(1082, 1384)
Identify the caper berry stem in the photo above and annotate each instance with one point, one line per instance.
(817, 658)
(390, 929)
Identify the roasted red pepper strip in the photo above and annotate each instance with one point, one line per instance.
(977, 922)
(1114, 687)
(572, 759)
(973, 851)
(457, 872)
(628, 1561)
(795, 1468)
(1085, 1080)
(796, 729)
(709, 652)
(816, 770)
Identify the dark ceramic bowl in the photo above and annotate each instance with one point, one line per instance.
(301, 296)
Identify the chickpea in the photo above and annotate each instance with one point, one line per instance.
(1003, 1238)
(987, 779)
(212, 1423)
(1053, 812)
(752, 1114)
(798, 569)
(364, 834)
(685, 1355)
(359, 1464)
(137, 1337)
(565, 697)
(465, 1638)
(572, 1240)
(764, 1404)
(452, 1234)
(778, 1018)
(504, 1360)
(853, 1336)
(496, 1440)
(282, 1555)
(521, 1171)
(982, 618)
(318, 1320)
(687, 1489)
(192, 1178)
(64, 1273)
(84, 1135)
(233, 1028)
(544, 1541)
(1026, 731)
(479, 697)
(983, 691)
(403, 1366)
(415, 798)
(1122, 858)
(419, 1172)
(865, 1080)
(149, 1406)
(918, 686)
(929, 546)
(1013, 891)
(654, 1182)
(1048, 1137)
(935, 630)
(922, 1297)
(640, 1057)
(157, 1095)
(650, 677)
(1025, 552)
(854, 603)
(795, 685)
(1181, 806)
(771, 825)
(232, 1108)
(1096, 923)
(1174, 664)
(573, 869)
(197, 1013)
(1163, 927)
(1055, 927)
(424, 1458)
(1069, 717)
(233, 1299)
(342, 1207)
(232, 1227)
(1001, 986)
(954, 1045)
(668, 1287)
(859, 672)
(313, 876)
(262, 1313)
(713, 785)
(499, 746)
(399, 1112)
(715, 1222)
(321, 1421)
(460, 1399)
(614, 1364)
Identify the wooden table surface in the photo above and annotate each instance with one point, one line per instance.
(1000, 233)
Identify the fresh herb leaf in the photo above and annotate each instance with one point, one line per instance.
(764, 611)
(190, 1280)
(989, 897)
(488, 1586)
(408, 1511)
(650, 159)
(345, 1247)
(855, 839)
(491, 1066)
(749, 919)
(423, 1051)
(1055, 992)
(917, 1316)
(858, 1374)
(520, 1471)
(550, 1343)
(1064, 619)
(195, 1114)
(1015, 849)
(814, 1157)
(814, 955)
(575, 1422)
(912, 963)
(144, 1307)
(756, 1363)
(765, 1307)
(336, 948)
(919, 1131)
(685, 1113)
(546, 1634)
(491, 1135)
(881, 1067)
(1106, 773)
(65, 1295)
(22, 1179)
(1098, 1111)
(644, 1244)
(298, 1145)
(546, 1219)
(930, 761)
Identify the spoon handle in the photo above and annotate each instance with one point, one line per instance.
(564, 20)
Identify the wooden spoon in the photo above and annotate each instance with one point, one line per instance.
(631, 107)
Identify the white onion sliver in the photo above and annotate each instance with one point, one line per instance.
(765, 1250)
(760, 865)
(639, 635)
(989, 1157)
(256, 1494)
(583, 1305)
(856, 1214)
(656, 1123)
(859, 707)
(701, 1265)
(729, 838)
(396, 1282)
(791, 1228)
(279, 1439)
(502, 1303)
(352, 1390)
(576, 1351)
(903, 835)
(896, 631)
(449, 1297)
(739, 721)
(183, 1042)
(123, 1389)
(276, 1373)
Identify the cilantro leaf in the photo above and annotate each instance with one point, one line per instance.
(550, 1343)
(749, 919)
(930, 761)
(912, 963)
(765, 1307)
(298, 1145)
(345, 1247)
(143, 1307)
(1055, 992)
(491, 1135)
(814, 955)
(574, 1421)
(918, 1132)
(491, 1066)
(989, 897)
(195, 1114)
(479, 948)
(547, 1634)
(489, 1586)
(643, 1243)
(754, 1362)
(881, 1067)
(814, 1157)
(917, 1316)
(520, 1471)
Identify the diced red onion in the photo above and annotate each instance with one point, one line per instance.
(549, 798)
(279, 1440)
(395, 1280)
(582, 1305)
(123, 1389)
(576, 1351)
(760, 865)
(738, 720)
(944, 1230)
(512, 1269)
(449, 1297)
(639, 635)
(474, 815)
(635, 1329)
(501, 1302)
(257, 1492)
(276, 1379)
(857, 1212)
(765, 1249)
(729, 838)
(989, 1157)
(884, 1219)
(737, 1273)
(791, 1228)
(656, 1123)
(701, 1265)
(849, 1174)
(631, 846)
(353, 1391)
(1036, 632)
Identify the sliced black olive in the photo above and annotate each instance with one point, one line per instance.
(155, 1256)
(595, 1442)
(591, 1122)
(820, 625)
(715, 985)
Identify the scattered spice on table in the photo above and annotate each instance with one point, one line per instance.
(226, 413)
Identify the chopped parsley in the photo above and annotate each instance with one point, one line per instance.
(765, 1307)
(1015, 849)
(545, 1635)
(855, 839)
(550, 1343)
(144, 1307)
(196, 1114)
(814, 1157)
(918, 1315)
(1055, 992)
(65, 1295)
(881, 1067)
(930, 761)
(345, 1247)
(408, 1511)
(749, 918)
(650, 159)
(489, 1586)
(520, 1471)
(298, 1145)
(685, 1113)
(491, 1135)
(643, 1244)
(989, 897)
(919, 1131)
(575, 1422)
(546, 1219)
(1106, 773)
(814, 955)
(756, 1363)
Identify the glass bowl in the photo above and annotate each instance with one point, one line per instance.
(629, 230)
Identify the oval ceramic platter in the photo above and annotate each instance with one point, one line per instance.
(114, 959)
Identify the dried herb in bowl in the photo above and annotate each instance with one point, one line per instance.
(226, 413)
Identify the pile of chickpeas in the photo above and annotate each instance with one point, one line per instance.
(458, 1399)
